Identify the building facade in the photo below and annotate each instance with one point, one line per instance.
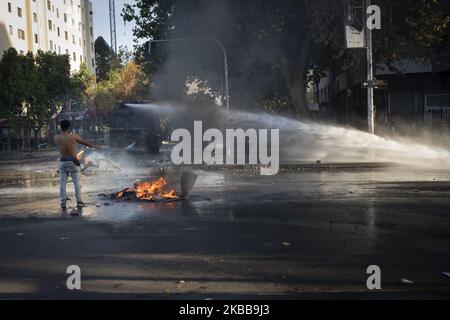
(62, 26)
(417, 94)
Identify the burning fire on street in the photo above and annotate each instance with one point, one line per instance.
(157, 190)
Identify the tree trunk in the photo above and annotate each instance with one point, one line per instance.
(9, 140)
(298, 87)
(28, 139)
(296, 81)
(298, 96)
(24, 137)
(36, 137)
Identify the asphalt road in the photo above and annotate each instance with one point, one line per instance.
(307, 233)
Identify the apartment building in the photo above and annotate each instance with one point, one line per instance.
(62, 26)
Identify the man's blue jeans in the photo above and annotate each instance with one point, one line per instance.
(66, 168)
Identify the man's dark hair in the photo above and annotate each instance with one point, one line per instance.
(65, 125)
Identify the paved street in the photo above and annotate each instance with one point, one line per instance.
(309, 232)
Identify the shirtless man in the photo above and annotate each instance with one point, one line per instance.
(68, 164)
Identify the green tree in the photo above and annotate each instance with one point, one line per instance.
(83, 84)
(34, 87)
(105, 94)
(272, 45)
(105, 59)
(13, 88)
(50, 87)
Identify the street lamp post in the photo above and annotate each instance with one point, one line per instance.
(370, 106)
(225, 59)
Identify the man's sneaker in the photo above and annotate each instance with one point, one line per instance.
(81, 204)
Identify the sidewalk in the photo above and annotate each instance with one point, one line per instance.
(15, 155)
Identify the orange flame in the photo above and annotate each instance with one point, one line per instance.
(149, 190)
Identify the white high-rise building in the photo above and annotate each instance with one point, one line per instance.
(62, 26)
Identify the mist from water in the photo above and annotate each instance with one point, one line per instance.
(309, 141)
(304, 141)
(160, 107)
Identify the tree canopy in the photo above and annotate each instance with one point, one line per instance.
(104, 58)
(34, 87)
(272, 45)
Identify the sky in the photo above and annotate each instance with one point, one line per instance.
(124, 34)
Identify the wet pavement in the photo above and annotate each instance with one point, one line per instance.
(309, 232)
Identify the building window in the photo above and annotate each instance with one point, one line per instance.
(11, 30)
(59, 49)
(36, 38)
(50, 25)
(51, 45)
(91, 32)
(66, 35)
(19, 12)
(49, 5)
(67, 51)
(34, 17)
(74, 57)
(57, 12)
(9, 7)
(21, 34)
(81, 58)
(73, 22)
(59, 34)
(93, 64)
(73, 39)
(65, 17)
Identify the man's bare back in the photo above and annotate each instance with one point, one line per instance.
(67, 144)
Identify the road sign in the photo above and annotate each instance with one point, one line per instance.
(376, 84)
(380, 84)
(354, 38)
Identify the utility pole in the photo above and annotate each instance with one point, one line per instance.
(112, 25)
(370, 106)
